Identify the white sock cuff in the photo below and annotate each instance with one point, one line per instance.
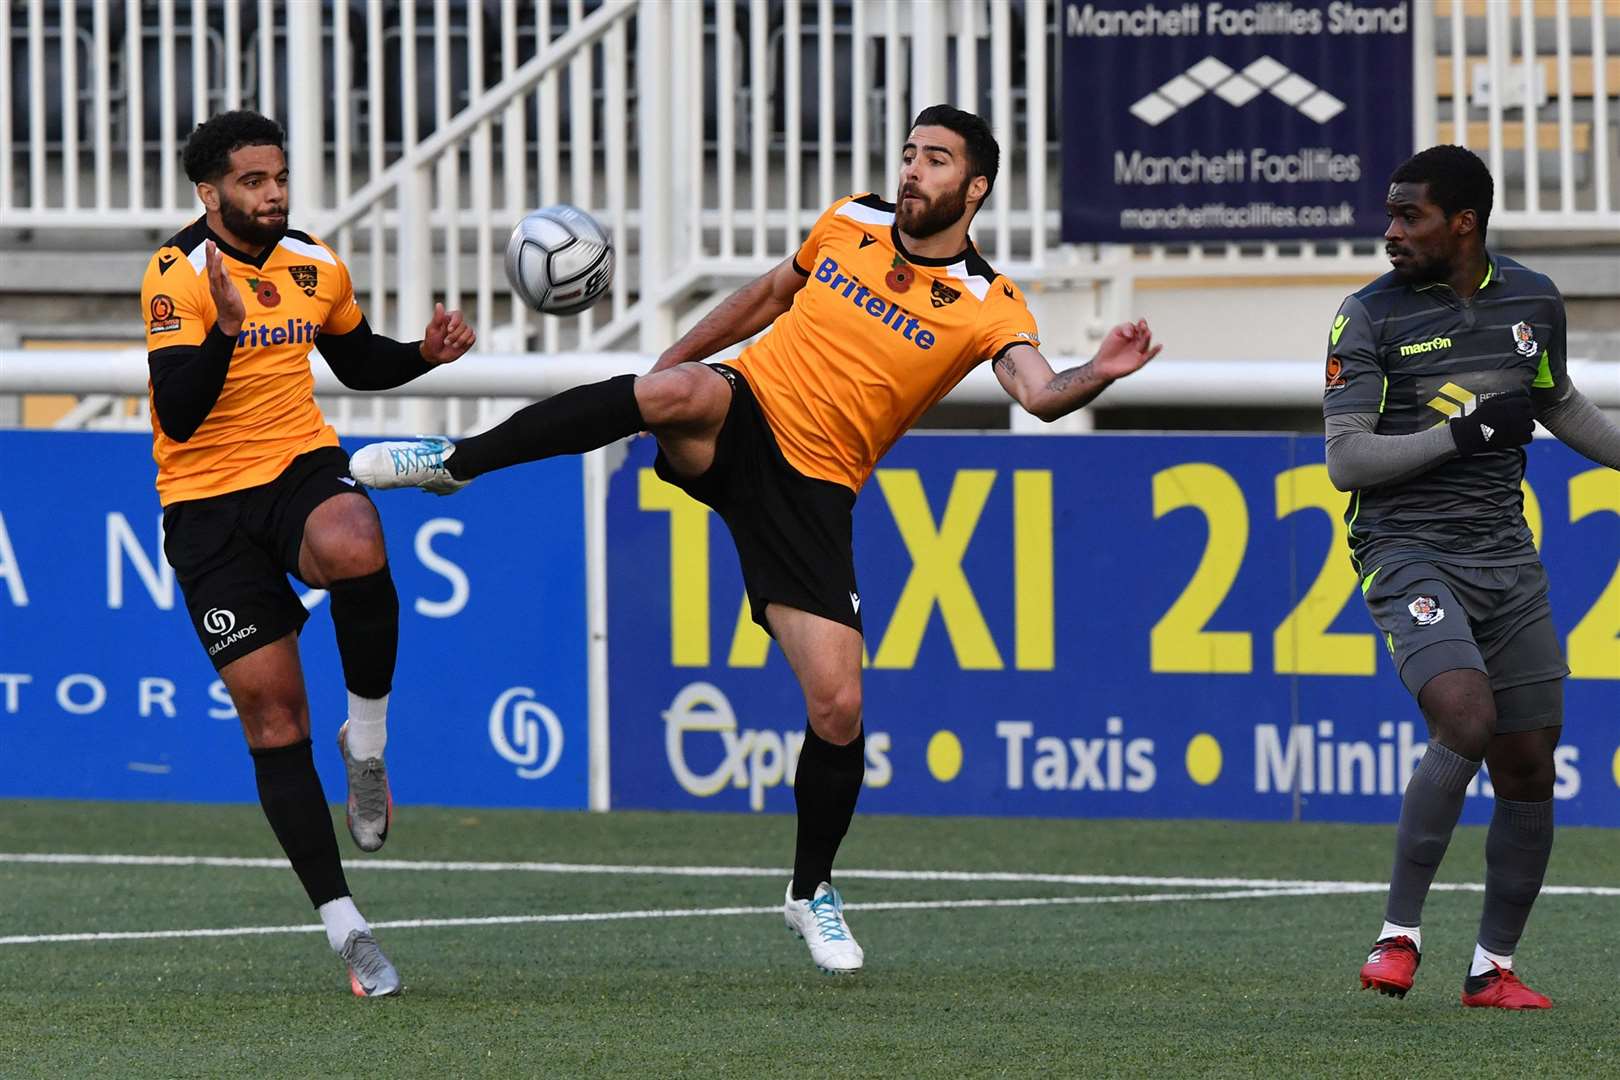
(1392, 930)
(341, 918)
(368, 726)
(1484, 959)
(368, 710)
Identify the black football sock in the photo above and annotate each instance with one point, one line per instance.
(290, 792)
(365, 616)
(825, 789)
(571, 422)
(1429, 813)
(1516, 852)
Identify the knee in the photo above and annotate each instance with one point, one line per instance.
(273, 719)
(1461, 715)
(836, 715)
(353, 551)
(1468, 738)
(1524, 779)
(678, 396)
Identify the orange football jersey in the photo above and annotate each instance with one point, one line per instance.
(875, 337)
(266, 413)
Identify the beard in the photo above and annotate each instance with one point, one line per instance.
(935, 214)
(247, 227)
(1419, 268)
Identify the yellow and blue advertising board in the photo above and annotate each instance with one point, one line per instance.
(1090, 626)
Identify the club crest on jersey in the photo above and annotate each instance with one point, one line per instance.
(264, 291)
(942, 294)
(164, 320)
(1524, 339)
(1335, 373)
(1426, 610)
(305, 277)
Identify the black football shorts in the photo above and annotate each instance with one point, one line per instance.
(232, 553)
(794, 533)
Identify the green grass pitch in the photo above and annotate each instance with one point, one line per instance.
(1204, 980)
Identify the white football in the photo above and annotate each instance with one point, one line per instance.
(559, 260)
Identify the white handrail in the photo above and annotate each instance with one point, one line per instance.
(1173, 383)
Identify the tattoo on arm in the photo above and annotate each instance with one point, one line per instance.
(1005, 362)
(1063, 380)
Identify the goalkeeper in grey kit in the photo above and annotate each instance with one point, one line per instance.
(1436, 375)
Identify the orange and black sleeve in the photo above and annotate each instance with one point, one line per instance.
(187, 355)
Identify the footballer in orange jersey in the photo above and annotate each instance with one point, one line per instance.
(882, 310)
(254, 487)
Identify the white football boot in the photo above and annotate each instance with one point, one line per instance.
(414, 463)
(820, 922)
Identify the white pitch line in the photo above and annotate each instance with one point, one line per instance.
(438, 866)
(664, 913)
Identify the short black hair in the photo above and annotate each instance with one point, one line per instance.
(983, 154)
(1458, 180)
(207, 155)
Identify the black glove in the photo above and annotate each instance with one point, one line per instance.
(1497, 422)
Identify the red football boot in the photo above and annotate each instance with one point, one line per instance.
(1501, 989)
(1390, 966)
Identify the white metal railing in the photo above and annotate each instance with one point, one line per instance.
(139, 72)
(518, 377)
(692, 190)
(706, 134)
(1551, 105)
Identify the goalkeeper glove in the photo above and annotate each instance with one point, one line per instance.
(1497, 422)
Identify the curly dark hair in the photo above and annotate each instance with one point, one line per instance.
(1458, 180)
(983, 154)
(207, 155)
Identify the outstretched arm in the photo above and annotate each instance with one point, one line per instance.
(738, 317)
(364, 360)
(1029, 379)
(1581, 426)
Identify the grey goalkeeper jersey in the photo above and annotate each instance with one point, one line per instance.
(1418, 355)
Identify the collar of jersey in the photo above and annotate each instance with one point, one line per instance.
(1493, 275)
(918, 260)
(255, 261)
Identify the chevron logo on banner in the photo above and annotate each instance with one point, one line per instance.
(1237, 89)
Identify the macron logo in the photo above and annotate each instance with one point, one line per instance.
(889, 314)
(1237, 89)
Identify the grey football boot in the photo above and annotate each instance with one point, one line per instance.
(370, 973)
(370, 806)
